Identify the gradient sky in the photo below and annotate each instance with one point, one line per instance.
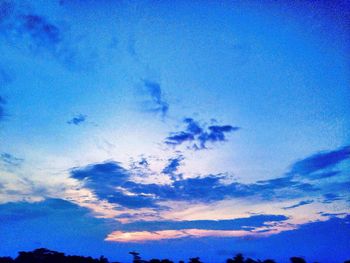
(175, 128)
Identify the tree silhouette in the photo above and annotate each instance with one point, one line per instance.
(136, 257)
(297, 260)
(237, 259)
(43, 255)
(195, 260)
(6, 260)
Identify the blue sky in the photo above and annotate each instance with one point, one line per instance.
(214, 127)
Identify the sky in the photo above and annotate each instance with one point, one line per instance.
(175, 128)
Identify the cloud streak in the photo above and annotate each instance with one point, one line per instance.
(10, 161)
(301, 203)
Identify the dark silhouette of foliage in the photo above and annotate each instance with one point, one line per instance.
(136, 257)
(237, 259)
(195, 260)
(43, 255)
(6, 260)
(160, 261)
(297, 260)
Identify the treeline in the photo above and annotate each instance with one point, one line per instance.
(43, 255)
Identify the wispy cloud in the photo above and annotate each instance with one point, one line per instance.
(244, 223)
(155, 102)
(27, 29)
(141, 231)
(331, 197)
(10, 161)
(301, 203)
(33, 29)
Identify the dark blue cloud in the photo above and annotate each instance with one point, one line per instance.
(172, 167)
(301, 203)
(215, 134)
(77, 119)
(332, 214)
(313, 168)
(330, 198)
(198, 136)
(247, 223)
(193, 126)
(10, 161)
(320, 161)
(156, 103)
(112, 182)
(105, 178)
(110, 172)
(179, 137)
(270, 189)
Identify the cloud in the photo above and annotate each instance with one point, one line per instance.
(112, 182)
(28, 30)
(144, 236)
(141, 231)
(77, 120)
(108, 180)
(198, 136)
(247, 223)
(40, 30)
(332, 214)
(172, 167)
(116, 186)
(301, 203)
(156, 102)
(320, 161)
(323, 175)
(330, 198)
(305, 174)
(33, 29)
(10, 161)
